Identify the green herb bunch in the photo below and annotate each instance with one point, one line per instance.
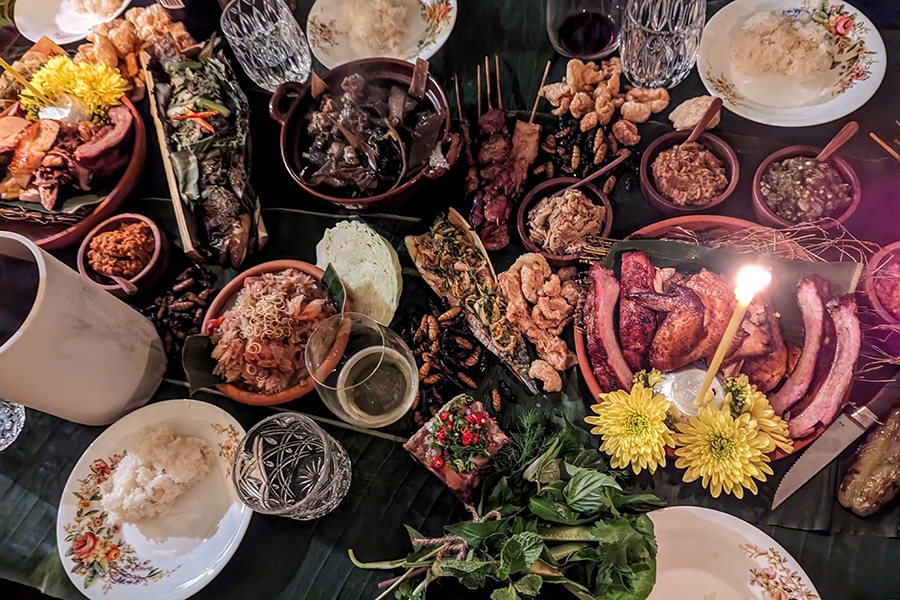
(551, 513)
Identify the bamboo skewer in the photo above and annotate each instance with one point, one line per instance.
(458, 101)
(537, 98)
(487, 81)
(497, 73)
(884, 145)
(478, 85)
(21, 79)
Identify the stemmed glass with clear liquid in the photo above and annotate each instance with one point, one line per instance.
(375, 380)
(267, 41)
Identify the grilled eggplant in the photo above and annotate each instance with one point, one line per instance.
(874, 477)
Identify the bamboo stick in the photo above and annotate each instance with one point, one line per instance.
(478, 86)
(497, 73)
(21, 79)
(884, 145)
(537, 98)
(487, 81)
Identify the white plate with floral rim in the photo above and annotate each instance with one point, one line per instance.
(705, 554)
(428, 26)
(859, 61)
(169, 557)
(58, 20)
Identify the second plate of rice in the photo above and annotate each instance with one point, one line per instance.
(340, 31)
(791, 63)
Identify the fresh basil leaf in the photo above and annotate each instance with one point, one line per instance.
(335, 287)
(198, 363)
(534, 472)
(472, 574)
(529, 585)
(476, 533)
(507, 593)
(586, 491)
(413, 534)
(554, 511)
(72, 205)
(519, 553)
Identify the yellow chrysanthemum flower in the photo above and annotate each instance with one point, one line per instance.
(96, 88)
(727, 453)
(743, 397)
(650, 379)
(633, 427)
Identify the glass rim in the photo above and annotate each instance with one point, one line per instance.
(313, 373)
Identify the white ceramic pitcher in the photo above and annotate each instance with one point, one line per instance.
(80, 353)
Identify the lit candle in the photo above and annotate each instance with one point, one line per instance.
(750, 280)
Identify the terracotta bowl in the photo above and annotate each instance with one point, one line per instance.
(545, 189)
(714, 144)
(292, 102)
(768, 217)
(889, 253)
(52, 237)
(150, 274)
(656, 230)
(225, 299)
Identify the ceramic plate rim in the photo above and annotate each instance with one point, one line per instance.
(427, 52)
(64, 37)
(749, 531)
(164, 407)
(799, 116)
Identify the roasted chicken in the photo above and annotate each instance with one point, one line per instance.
(682, 329)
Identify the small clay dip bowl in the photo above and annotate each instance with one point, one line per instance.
(714, 144)
(768, 217)
(888, 254)
(225, 300)
(546, 189)
(148, 276)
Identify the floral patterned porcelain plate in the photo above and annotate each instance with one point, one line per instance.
(858, 64)
(428, 25)
(58, 20)
(705, 554)
(169, 557)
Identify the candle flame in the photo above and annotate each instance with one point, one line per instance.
(750, 280)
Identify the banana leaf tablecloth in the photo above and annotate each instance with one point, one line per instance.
(847, 558)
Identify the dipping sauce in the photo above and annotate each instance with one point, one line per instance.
(802, 189)
(564, 224)
(887, 288)
(689, 174)
(123, 251)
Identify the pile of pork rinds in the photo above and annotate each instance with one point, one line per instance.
(541, 304)
(593, 93)
(117, 43)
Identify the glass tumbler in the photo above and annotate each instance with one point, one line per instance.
(660, 40)
(374, 381)
(267, 41)
(287, 465)
(12, 420)
(585, 29)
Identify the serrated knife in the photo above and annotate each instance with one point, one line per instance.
(846, 429)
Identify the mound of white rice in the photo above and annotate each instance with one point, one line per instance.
(148, 480)
(103, 9)
(379, 24)
(772, 42)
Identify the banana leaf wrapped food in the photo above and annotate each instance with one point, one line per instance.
(203, 117)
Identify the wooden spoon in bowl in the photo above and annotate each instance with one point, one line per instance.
(127, 287)
(714, 107)
(843, 136)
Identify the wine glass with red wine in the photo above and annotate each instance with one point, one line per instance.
(585, 29)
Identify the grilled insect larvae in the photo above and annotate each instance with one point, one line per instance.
(466, 380)
(433, 328)
(416, 400)
(425, 369)
(496, 400)
(432, 379)
(463, 343)
(450, 314)
(576, 158)
(609, 184)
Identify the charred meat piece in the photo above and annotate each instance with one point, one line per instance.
(825, 403)
(637, 324)
(874, 477)
(718, 305)
(766, 370)
(58, 169)
(227, 225)
(607, 362)
(109, 149)
(681, 330)
(812, 310)
(34, 142)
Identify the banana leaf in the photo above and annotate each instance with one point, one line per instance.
(786, 274)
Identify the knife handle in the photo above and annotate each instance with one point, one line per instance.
(876, 410)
